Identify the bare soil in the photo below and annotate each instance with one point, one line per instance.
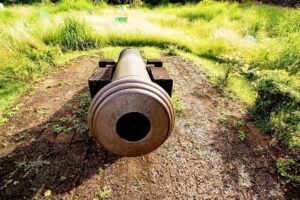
(204, 158)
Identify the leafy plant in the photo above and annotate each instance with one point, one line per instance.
(59, 129)
(242, 135)
(277, 106)
(74, 34)
(179, 107)
(85, 100)
(104, 193)
(239, 123)
(171, 49)
(223, 120)
(289, 169)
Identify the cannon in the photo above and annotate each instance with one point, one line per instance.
(131, 113)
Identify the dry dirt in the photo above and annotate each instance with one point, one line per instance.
(203, 159)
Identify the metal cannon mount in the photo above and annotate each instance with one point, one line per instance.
(131, 113)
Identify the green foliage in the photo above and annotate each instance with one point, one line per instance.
(80, 113)
(171, 49)
(179, 107)
(289, 169)
(280, 54)
(22, 63)
(277, 106)
(105, 193)
(59, 129)
(207, 11)
(223, 120)
(85, 100)
(74, 34)
(68, 5)
(239, 123)
(7, 17)
(274, 45)
(11, 110)
(62, 178)
(242, 135)
(32, 63)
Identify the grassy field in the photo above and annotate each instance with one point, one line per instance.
(253, 50)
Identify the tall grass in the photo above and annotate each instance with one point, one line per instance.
(67, 5)
(72, 35)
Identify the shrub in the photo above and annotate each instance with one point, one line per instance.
(30, 64)
(8, 17)
(72, 35)
(67, 5)
(277, 106)
(281, 54)
(289, 169)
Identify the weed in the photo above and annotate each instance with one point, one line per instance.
(62, 119)
(179, 107)
(171, 49)
(104, 193)
(85, 100)
(140, 182)
(277, 106)
(74, 34)
(68, 5)
(289, 169)
(59, 129)
(223, 120)
(10, 111)
(239, 123)
(241, 135)
(47, 193)
(27, 167)
(47, 125)
(78, 126)
(34, 166)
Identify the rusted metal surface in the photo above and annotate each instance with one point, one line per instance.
(132, 115)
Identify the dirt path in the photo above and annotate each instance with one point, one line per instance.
(46, 146)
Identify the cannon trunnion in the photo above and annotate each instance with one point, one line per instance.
(131, 113)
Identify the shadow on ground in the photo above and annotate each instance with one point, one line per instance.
(57, 155)
(250, 161)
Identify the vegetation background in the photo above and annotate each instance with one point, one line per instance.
(250, 48)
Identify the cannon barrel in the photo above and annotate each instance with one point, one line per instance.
(132, 115)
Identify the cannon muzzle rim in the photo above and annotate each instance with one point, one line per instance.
(129, 83)
(131, 96)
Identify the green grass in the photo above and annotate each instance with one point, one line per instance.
(178, 105)
(289, 169)
(239, 85)
(73, 35)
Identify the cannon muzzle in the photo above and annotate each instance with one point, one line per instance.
(130, 114)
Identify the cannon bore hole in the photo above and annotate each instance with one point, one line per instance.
(133, 126)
